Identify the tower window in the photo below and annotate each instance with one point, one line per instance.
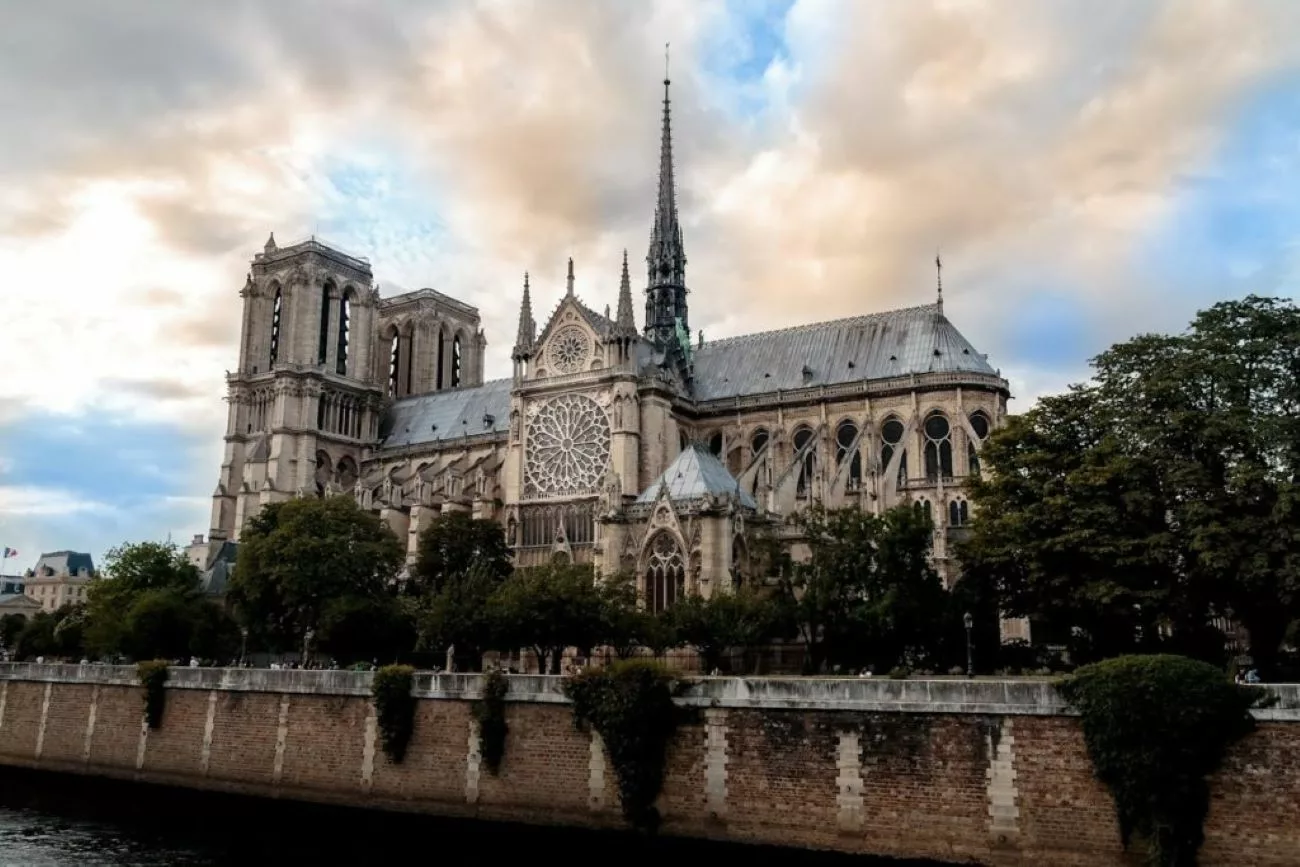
(394, 364)
(323, 343)
(441, 348)
(275, 324)
(345, 335)
(455, 361)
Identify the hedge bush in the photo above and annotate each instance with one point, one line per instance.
(1155, 728)
(631, 705)
(394, 708)
(153, 677)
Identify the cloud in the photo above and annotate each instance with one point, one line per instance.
(28, 501)
(825, 150)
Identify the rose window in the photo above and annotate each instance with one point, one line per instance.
(569, 350)
(568, 447)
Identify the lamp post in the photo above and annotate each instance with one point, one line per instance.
(970, 648)
(243, 645)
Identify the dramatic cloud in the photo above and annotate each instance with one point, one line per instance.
(1061, 155)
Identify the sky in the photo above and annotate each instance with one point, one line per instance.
(1089, 171)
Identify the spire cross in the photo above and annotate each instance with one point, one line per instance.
(938, 267)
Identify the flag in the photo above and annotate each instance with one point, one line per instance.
(9, 552)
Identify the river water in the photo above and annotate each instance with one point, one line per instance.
(56, 820)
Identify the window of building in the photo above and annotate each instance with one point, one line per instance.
(345, 335)
(394, 365)
(275, 324)
(891, 439)
(665, 573)
(846, 449)
(323, 342)
(938, 447)
(807, 463)
(455, 362)
(979, 423)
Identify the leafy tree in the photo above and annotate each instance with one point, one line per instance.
(298, 557)
(1158, 496)
(453, 543)
(458, 616)
(550, 608)
(132, 570)
(867, 593)
(37, 637)
(159, 625)
(363, 628)
(723, 621)
(10, 627)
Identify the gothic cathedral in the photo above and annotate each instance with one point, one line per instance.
(635, 449)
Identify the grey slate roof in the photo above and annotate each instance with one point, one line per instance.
(455, 413)
(875, 346)
(64, 563)
(696, 473)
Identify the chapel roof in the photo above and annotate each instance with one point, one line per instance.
(696, 473)
(913, 340)
(445, 415)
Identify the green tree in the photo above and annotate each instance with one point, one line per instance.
(712, 626)
(550, 608)
(10, 626)
(37, 637)
(160, 624)
(453, 543)
(1160, 495)
(867, 593)
(360, 628)
(132, 570)
(298, 557)
(458, 616)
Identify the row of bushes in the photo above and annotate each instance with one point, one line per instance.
(1155, 727)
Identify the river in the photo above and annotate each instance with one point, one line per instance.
(56, 820)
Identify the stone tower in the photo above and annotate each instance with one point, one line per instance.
(304, 400)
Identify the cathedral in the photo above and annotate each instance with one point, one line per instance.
(632, 447)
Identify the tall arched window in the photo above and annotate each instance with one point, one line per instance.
(757, 442)
(938, 447)
(323, 342)
(958, 513)
(665, 573)
(891, 439)
(979, 423)
(442, 347)
(455, 361)
(347, 472)
(394, 364)
(408, 350)
(345, 335)
(276, 307)
(846, 449)
(807, 463)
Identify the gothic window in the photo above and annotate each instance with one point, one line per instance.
(938, 447)
(394, 364)
(665, 573)
(568, 447)
(408, 352)
(807, 463)
(923, 507)
(891, 439)
(320, 412)
(979, 423)
(455, 361)
(323, 343)
(958, 513)
(715, 445)
(345, 334)
(442, 346)
(757, 442)
(539, 524)
(347, 472)
(324, 472)
(569, 350)
(276, 307)
(846, 442)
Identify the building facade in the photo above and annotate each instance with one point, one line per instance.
(60, 578)
(634, 447)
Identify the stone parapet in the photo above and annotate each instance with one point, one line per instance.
(999, 697)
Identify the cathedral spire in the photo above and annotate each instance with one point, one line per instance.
(625, 324)
(527, 327)
(569, 290)
(938, 267)
(666, 260)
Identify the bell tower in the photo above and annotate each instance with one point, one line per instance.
(303, 404)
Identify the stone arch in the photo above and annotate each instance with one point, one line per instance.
(663, 570)
(324, 472)
(347, 473)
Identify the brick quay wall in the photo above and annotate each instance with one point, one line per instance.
(987, 771)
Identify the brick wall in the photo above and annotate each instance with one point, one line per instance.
(976, 772)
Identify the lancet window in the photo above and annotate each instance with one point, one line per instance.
(891, 439)
(455, 362)
(807, 462)
(846, 450)
(345, 335)
(938, 447)
(323, 342)
(276, 308)
(979, 423)
(665, 573)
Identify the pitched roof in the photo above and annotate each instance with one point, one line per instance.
(696, 473)
(446, 415)
(64, 563)
(912, 340)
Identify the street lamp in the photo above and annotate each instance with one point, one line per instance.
(970, 648)
(243, 644)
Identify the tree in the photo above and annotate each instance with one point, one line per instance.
(1161, 495)
(37, 637)
(299, 556)
(132, 570)
(712, 626)
(453, 543)
(550, 608)
(458, 616)
(10, 627)
(359, 628)
(867, 594)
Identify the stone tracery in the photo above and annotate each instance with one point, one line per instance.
(568, 446)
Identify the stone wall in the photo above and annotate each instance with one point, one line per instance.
(988, 771)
